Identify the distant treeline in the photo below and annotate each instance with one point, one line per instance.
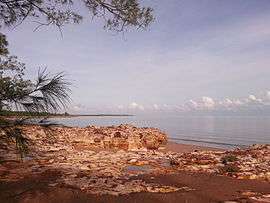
(24, 113)
(102, 115)
(42, 114)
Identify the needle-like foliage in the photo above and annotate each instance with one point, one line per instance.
(117, 14)
(48, 93)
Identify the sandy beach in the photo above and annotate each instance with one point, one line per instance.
(185, 148)
(172, 173)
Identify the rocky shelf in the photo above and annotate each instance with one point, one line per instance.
(109, 160)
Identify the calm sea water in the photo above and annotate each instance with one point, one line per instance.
(214, 131)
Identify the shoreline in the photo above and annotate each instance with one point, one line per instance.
(64, 116)
(185, 141)
(173, 142)
(127, 164)
(186, 148)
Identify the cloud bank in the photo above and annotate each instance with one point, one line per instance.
(251, 103)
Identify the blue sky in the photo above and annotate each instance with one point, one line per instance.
(198, 54)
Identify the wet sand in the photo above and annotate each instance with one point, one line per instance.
(185, 148)
(207, 187)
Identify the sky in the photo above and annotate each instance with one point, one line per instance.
(198, 55)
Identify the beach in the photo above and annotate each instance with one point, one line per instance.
(129, 164)
(185, 148)
(208, 188)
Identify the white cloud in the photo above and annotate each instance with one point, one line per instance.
(136, 106)
(208, 102)
(205, 103)
(166, 107)
(266, 97)
(141, 107)
(156, 107)
(267, 94)
(191, 104)
(227, 103)
(120, 107)
(252, 97)
(133, 105)
(238, 102)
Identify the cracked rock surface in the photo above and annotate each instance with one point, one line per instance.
(98, 160)
(110, 160)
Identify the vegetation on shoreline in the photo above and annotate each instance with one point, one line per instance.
(49, 93)
(6, 113)
(87, 115)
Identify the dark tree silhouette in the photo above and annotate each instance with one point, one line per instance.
(117, 14)
(48, 93)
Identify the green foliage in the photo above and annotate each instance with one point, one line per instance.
(230, 164)
(3, 45)
(228, 158)
(5, 113)
(47, 94)
(12, 133)
(15, 134)
(230, 168)
(117, 14)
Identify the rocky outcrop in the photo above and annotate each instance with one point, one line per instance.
(93, 159)
(126, 137)
(248, 163)
(109, 160)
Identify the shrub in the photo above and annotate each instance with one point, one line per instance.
(228, 158)
(230, 168)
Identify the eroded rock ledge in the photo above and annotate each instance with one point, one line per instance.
(126, 137)
(108, 160)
